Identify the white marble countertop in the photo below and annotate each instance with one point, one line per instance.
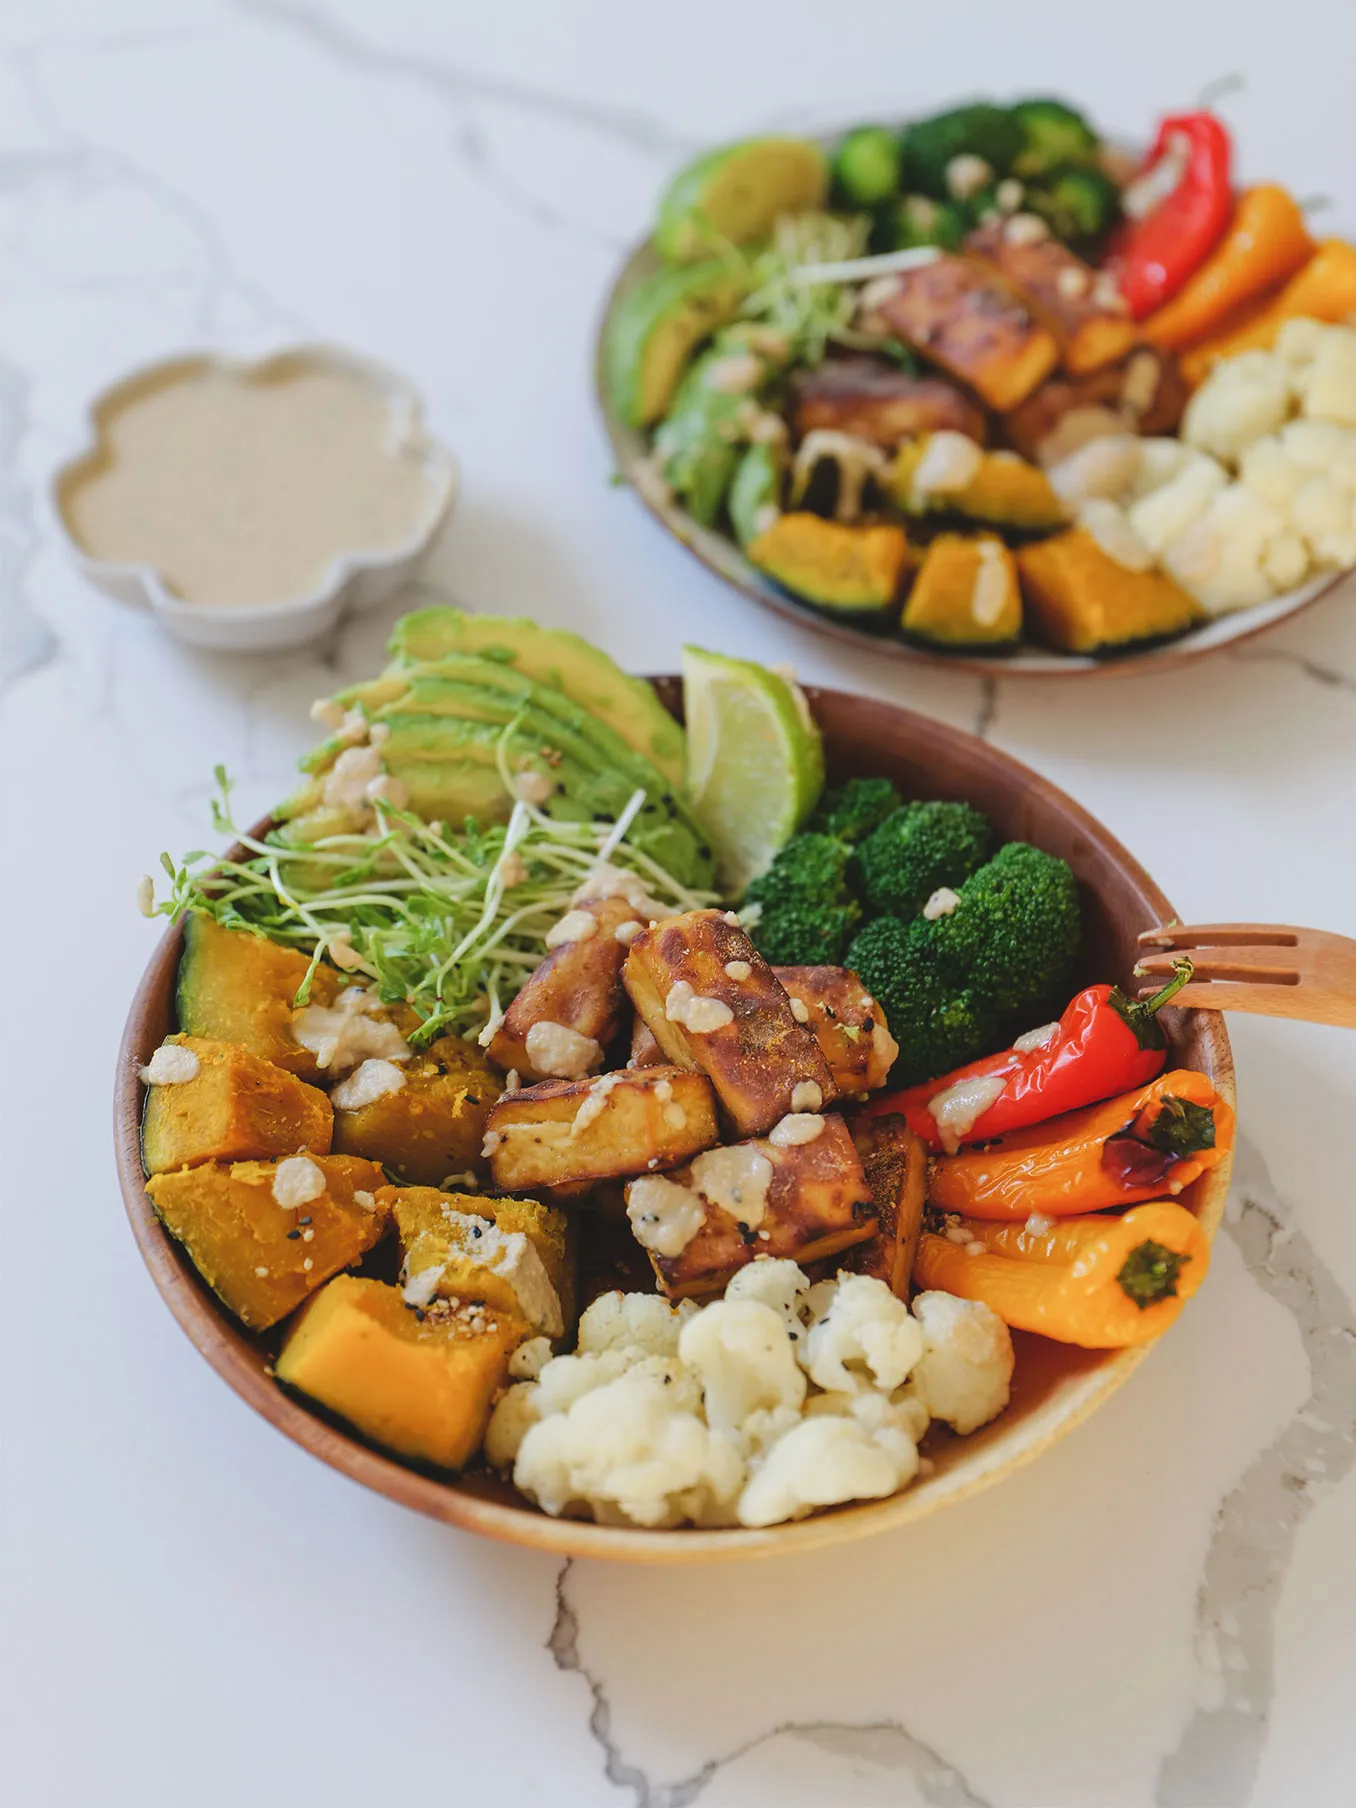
(1158, 1612)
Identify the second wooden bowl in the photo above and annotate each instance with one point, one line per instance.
(1055, 1386)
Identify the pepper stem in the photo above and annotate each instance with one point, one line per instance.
(1140, 1015)
(1149, 1273)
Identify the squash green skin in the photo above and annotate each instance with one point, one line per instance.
(799, 552)
(235, 986)
(656, 329)
(733, 194)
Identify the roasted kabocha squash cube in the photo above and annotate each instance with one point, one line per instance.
(264, 1234)
(895, 1162)
(966, 594)
(424, 1118)
(570, 1009)
(770, 1196)
(1081, 600)
(713, 1003)
(235, 1107)
(416, 1380)
(853, 570)
(565, 1132)
(946, 474)
(968, 320)
(235, 986)
(846, 1022)
(516, 1255)
(1081, 306)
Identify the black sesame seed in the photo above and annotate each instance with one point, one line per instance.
(303, 1220)
(471, 1099)
(476, 1230)
(420, 1314)
(868, 1024)
(293, 1236)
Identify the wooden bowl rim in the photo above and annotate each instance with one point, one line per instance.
(217, 1338)
(1027, 661)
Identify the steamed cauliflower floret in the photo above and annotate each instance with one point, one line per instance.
(1324, 512)
(825, 1460)
(1327, 383)
(1322, 446)
(633, 1321)
(1222, 559)
(1168, 511)
(1106, 467)
(530, 1358)
(1270, 472)
(626, 1446)
(967, 1360)
(904, 1411)
(744, 1360)
(860, 1335)
(1242, 399)
(514, 1414)
(777, 1283)
(1298, 341)
(1160, 460)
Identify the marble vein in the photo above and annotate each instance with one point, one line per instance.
(454, 83)
(1330, 676)
(1215, 1762)
(988, 708)
(886, 1744)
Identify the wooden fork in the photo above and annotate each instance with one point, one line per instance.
(1270, 968)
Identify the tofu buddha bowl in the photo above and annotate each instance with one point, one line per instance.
(668, 1121)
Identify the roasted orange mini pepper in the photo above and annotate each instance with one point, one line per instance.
(1099, 1282)
(1138, 1146)
(1266, 243)
(1322, 289)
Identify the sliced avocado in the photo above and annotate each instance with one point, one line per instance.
(755, 495)
(735, 193)
(656, 329)
(555, 658)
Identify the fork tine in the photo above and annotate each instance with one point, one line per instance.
(1264, 966)
(1261, 1000)
(1218, 935)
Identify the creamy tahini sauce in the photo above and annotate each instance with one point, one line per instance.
(242, 489)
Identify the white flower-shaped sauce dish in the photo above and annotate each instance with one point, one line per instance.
(250, 504)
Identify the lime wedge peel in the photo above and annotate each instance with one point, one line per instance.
(755, 763)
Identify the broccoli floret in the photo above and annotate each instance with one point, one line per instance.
(918, 849)
(916, 220)
(937, 1026)
(1026, 933)
(802, 934)
(954, 986)
(809, 869)
(1052, 133)
(852, 810)
(979, 130)
(866, 166)
(1077, 204)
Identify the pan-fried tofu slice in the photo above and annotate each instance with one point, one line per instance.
(562, 1133)
(895, 1161)
(563, 1019)
(799, 1192)
(847, 1023)
(1082, 307)
(964, 316)
(645, 1051)
(712, 1002)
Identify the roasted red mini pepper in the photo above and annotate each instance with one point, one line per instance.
(1104, 1043)
(1154, 254)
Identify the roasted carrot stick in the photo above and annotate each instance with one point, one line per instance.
(1099, 1282)
(1266, 243)
(1138, 1146)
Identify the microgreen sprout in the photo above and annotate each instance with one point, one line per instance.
(420, 913)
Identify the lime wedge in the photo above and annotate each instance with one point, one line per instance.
(755, 764)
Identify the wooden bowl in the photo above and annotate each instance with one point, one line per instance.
(719, 553)
(1055, 1386)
